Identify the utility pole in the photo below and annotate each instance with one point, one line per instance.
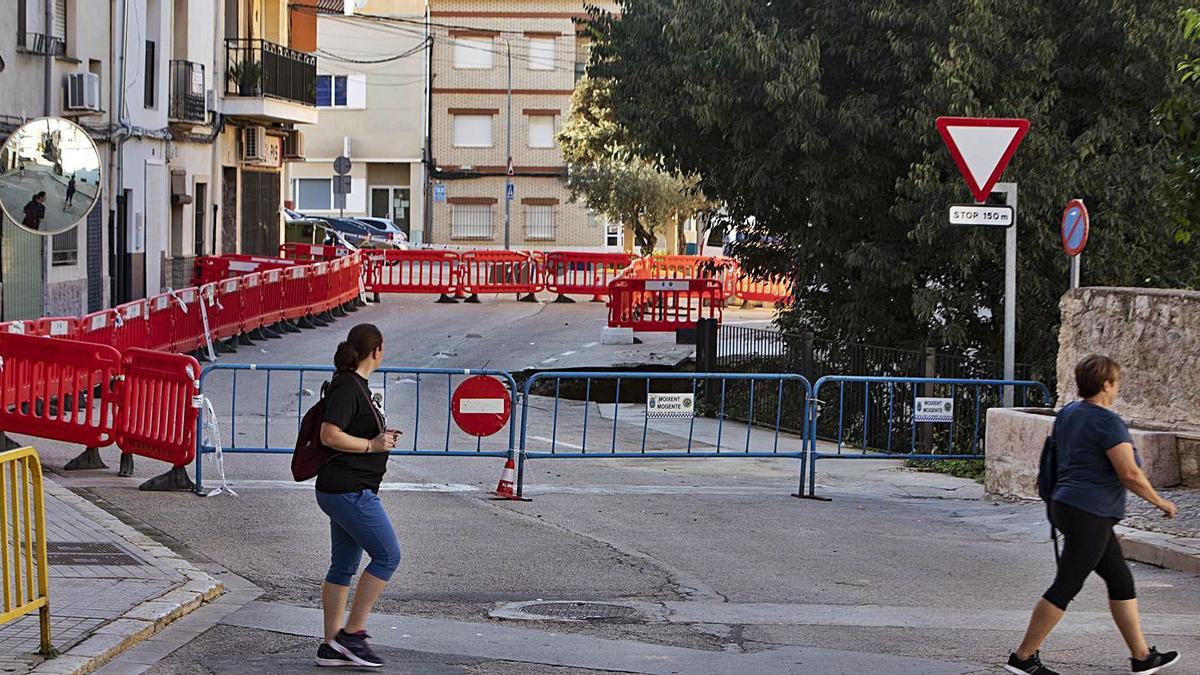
(1010, 291)
(508, 166)
(47, 71)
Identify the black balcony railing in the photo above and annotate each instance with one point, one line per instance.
(261, 68)
(41, 44)
(187, 92)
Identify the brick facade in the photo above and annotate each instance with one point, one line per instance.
(473, 175)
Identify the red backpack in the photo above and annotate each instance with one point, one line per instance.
(311, 454)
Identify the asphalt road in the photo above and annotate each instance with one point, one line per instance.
(18, 187)
(900, 572)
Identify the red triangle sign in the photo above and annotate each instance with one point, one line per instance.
(982, 148)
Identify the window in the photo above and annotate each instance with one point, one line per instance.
(60, 20)
(539, 221)
(331, 91)
(541, 131)
(313, 194)
(541, 53)
(64, 248)
(580, 71)
(473, 53)
(472, 131)
(612, 236)
(150, 73)
(470, 221)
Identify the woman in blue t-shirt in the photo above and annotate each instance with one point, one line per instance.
(1097, 464)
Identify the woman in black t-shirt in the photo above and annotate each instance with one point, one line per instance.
(348, 492)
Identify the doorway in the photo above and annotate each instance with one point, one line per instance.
(388, 201)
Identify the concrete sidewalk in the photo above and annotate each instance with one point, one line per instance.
(110, 587)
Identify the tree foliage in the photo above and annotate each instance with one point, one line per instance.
(613, 181)
(813, 123)
(1181, 118)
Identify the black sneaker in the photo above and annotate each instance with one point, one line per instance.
(1030, 666)
(1153, 662)
(354, 647)
(331, 658)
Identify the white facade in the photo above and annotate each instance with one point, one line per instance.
(373, 111)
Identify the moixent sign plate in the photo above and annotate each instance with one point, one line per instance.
(987, 216)
(939, 410)
(670, 406)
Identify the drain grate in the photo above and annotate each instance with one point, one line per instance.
(85, 553)
(579, 610)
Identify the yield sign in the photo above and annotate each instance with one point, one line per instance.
(982, 148)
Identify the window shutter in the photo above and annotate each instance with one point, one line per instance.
(356, 91)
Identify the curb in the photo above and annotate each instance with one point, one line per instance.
(1160, 550)
(142, 621)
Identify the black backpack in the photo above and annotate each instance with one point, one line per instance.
(311, 454)
(1047, 480)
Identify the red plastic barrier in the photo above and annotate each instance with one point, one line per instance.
(226, 321)
(414, 271)
(319, 286)
(215, 268)
(98, 328)
(133, 326)
(252, 317)
(48, 388)
(158, 406)
(272, 296)
(187, 326)
(720, 268)
(576, 273)
(498, 272)
(311, 252)
(159, 327)
(777, 290)
(64, 327)
(18, 327)
(655, 305)
(295, 292)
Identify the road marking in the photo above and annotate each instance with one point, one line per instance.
(549, 360)
(566, 353)
(562, 443)
(590, 345)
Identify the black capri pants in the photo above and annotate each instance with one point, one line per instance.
(1089, 545)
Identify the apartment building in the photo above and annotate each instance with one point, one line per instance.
(63, 274)
(477, 46)
(268, 96)
(370, 91)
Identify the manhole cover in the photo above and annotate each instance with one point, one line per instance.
(87, 553)
(579, 610)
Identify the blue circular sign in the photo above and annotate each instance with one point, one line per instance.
(1075, 227)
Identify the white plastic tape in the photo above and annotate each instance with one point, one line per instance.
(212, 356)
(212, 436)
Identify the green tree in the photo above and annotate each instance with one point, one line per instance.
(610, 179)
(813, 122)
(1181, 118)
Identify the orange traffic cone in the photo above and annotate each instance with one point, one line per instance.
(504, 489)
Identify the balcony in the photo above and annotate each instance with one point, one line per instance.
(41, 44)
(187, 94)
(269, 82)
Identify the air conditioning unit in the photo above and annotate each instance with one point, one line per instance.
(254, 144)
(293, 145)
(83, 91)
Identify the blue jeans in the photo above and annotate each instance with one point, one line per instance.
(357, 522)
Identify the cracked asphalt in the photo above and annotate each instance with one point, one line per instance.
(732, 570)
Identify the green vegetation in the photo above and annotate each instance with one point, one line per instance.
(960, 468)
(813, 124)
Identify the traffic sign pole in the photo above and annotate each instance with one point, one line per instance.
(1075, 271)
(1010, 291)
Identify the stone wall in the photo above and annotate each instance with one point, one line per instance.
(1014, 440)
(1154, 334)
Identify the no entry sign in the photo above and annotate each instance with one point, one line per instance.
(481, 405)
(1075, 226)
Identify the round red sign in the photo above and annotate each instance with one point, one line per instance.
(481, 405)
(1075, 227)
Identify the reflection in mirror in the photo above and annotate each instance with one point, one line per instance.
(49, 175)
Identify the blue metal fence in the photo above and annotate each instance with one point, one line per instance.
(756, 405)
(276, 398)
(885, 422)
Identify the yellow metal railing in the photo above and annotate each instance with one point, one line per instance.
(23, 550)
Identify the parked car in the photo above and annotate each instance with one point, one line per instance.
(386, 229)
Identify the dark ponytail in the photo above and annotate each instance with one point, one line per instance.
(362, 341)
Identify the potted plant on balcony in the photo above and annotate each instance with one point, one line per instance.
(247, 74)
